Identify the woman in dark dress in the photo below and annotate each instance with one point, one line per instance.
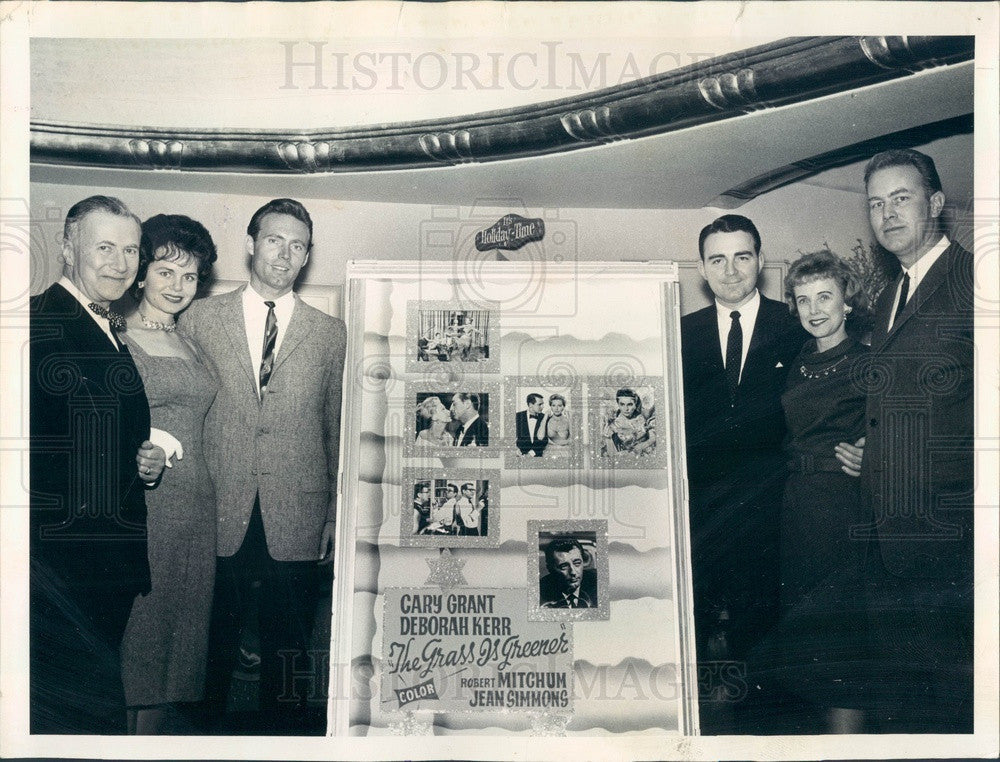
(817, 651)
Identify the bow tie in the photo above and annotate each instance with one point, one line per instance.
(537, 416)
(115, 320)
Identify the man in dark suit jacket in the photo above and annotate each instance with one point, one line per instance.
(917, 469)
(89, 432)
(273, 434)
(473, 431)
(568, 585)
(736, 354)
(529, 427)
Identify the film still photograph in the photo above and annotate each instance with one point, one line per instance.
(456, 422)
(568, 570)
(450, 333)
(543, 424)
(624, 428)
(452, 510)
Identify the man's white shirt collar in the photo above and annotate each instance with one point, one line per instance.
(255, 318)
(748, 319)
(101, 322)
(465, 427)
(917, 271)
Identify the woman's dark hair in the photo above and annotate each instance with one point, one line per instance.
(633, 395)
(178, 237)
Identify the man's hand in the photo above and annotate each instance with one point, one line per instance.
(150, 459)
(326, 544)
(850, 456)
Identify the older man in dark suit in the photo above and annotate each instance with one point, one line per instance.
(917, 466)
(736, 354)
(274, 430)
(89, 432)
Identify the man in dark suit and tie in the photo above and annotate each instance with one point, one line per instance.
(917, 466)
(529, 427)
(736, 353)
(274, 430)
(568, 585)
(473, 431)
(91, 460)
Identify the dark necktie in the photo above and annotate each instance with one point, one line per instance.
(734, 355)
(267, 357)
(904, 291)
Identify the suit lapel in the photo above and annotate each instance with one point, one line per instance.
(761, 330)
(707, 341)
(62, 302)
(928, 285)
(298, 328)
(235, 325)
(763, 334)
(882, 309)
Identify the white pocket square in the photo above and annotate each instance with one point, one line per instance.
(779, 365)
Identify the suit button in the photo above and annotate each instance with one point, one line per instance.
(873, 422)
(263, 430)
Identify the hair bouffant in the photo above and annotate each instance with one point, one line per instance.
(822, 264)
(174, 237)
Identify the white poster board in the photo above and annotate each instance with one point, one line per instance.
(449, 615)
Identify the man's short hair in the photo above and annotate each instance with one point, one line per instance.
(420, 487)
(81, 209)
(534, 397)
(287, 206)
(468, 485)
(473, 398)
(561, 545)
(729, 223)
(906, 157)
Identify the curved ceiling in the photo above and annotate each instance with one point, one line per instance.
(729, 128)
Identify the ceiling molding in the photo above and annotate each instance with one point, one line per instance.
(788, 71)
(841, 157)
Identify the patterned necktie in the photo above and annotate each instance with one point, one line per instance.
(734, 355)
(904, 292)
(267, 357)
(116, 322)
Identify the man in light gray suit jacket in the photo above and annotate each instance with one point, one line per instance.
(272, 436)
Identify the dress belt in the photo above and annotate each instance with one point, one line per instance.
(808, 464)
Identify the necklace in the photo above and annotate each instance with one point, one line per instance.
(152, 324)
(824, 372)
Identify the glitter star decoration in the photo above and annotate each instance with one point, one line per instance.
(446, 570)
(412, 724)
(548, 723)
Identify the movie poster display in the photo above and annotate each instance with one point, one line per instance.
(512, 550)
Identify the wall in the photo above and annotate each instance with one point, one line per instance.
(799, 218)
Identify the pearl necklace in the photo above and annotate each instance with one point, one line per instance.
(155, 326)
(824, 372)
